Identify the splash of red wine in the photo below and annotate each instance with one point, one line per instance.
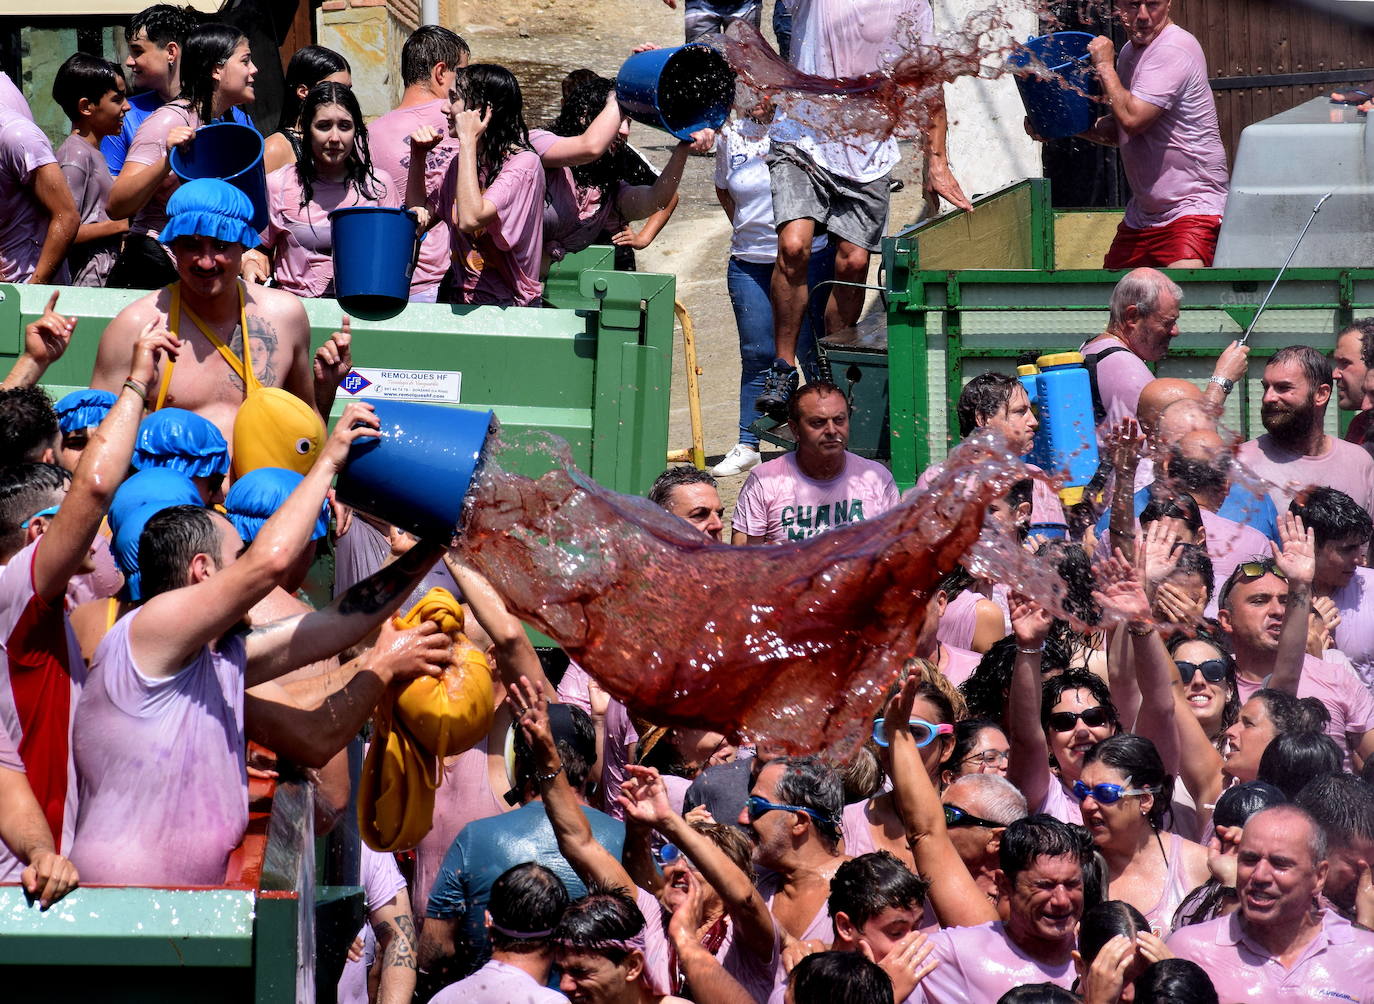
(795, 644)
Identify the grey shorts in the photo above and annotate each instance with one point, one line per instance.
(707, 17)
(851, 210)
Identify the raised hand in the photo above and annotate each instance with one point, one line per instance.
(359, 421)
(470, 124)
(1233, 362)
(1125, 445)
(1120, 593)
(152, 343)
(181, 135)
(1174, 606)
(1159, 556)
(1298, 558)
(48, 337)
(687, 914)
(1321, 625)
(1107, 977)
(1030, 622)
(425, 139)
(643, 796)
(334, 358)
(905, 963)
(530, 710)
(598, 698)
(405, 654)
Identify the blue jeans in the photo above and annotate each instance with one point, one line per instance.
(750, 285)
(782, 29)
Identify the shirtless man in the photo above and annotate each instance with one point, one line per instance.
(208, 264)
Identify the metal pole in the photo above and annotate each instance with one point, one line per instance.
(1274, 285)
(429, 11)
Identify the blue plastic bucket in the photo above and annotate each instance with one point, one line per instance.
(374, 257)
(1060, 105)
(417, 474)
(232, 153)
(679, 90)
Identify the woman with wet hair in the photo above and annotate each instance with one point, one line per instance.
(310, 66)
(1294, 759)
(1109, 934)
(1124, 794)
(987, 688)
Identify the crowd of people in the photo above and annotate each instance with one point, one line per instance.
(1151, 781)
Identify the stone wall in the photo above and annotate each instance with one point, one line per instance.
(370, 34)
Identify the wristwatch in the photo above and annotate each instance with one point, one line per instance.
(1225, 384)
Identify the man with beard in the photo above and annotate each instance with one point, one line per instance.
(1350, 373)
(1296, 451)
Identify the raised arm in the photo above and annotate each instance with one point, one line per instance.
(1134, 114)
(417, 200)
(1029, 767)
(51, 191)
(957, 900)
(573, 151)
(702, 972)
(138, 183)
(642, 201)
(515, 656)
(1297, 561)
(1124, 443)
(44, 342)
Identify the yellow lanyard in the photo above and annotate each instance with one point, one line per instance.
(243, 367)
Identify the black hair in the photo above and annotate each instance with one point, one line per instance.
(1241, 801)
(28, 425)
(359, 171)
(486, 86)
(1036, 836)
(163, 23)
(576, 744)
(1292, 714)
(1193, 559)
(580, 107)
(24, 490)
(1073, 565)
(1053, 689)
(1179, 502)
(816, 387)
(955, 582)
(1195, 475)
(1316, 368)
(982, 398)
(1038, 993)
(1332, 515)
(605, 914)
(810, 782)
(1020, 492)
(207, 48)
(1344, 806)
(526, 900)
(1293, 759)
(865, 886)
(1238, 573)
(1174, 981)
(966, 735)
(308, 67)
(1137, 758)
(1213, 637)
(661, 493)
(576, 78)
(84, 76)
(839, 978)
(1365, 326)
(427, 47)
(1104, 921)
(985, 691)
(170, 539)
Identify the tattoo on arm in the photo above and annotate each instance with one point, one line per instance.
(400, 942)
(376, 591)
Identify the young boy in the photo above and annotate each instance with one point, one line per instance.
(92, 93)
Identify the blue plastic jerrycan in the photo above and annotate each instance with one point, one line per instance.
(1067, 429)
(1027, 374)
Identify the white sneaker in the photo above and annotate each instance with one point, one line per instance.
(741, 458)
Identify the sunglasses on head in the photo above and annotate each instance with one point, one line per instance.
(955, 817)
(1108, 794)
(922, 731)
(1066, 721)
(1251, 570)
(756, 806)
(1213, 670)
(667, 854)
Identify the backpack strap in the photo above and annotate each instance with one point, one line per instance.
(1090, 363)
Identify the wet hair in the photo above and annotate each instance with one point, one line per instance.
(944, 707)
(839, 978)
(731, 840)
(427, 47)
(84, 76)
(1293, 759)
(985, 691)
(862, 775)
(24, 490)
(308, 67)
(488, 87)
(809, 782)
(983, 397)
(966, 735)
(1039, 836)
(999, 801)
(576, 742)
(865, 886)
(1231, 710)
(603, 923)
(1103, 922)
(1332, 515)
(955, 582)
(1141, 292)
(28, 425)
(170, 539)
(1174, 981)
(1292, 714)
(358, 172)
(1316, 842)
(819, 388)
(1193, 559)
(1053, 690)
(661, 493)
(581, 105)
(1038, 993)
(163, 23)
(1158, 505)
(1073, 565)
(1316, 368)
(526, 904)
(1020, 492)
(1137, 758)
(1238, 574)
(207, 48)
(1343, 805)
(576, 78)
(1239, 802)
(1194, 475)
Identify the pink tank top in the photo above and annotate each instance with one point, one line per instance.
(1176, 888)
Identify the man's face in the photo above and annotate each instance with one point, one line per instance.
(1343, 871)
(1149, 337)
(887, 928)
(150, 63)
(107, 114)
(589, 978)
(822, 427)
(1348, 371)
(700, 505)
(1276, 877)
(1017, 422)
(1144, 19)
(1290, 402)
(772, 830)
(1254, 611)
(231, 545)
(1046, 900)
(1247, 740)
(1336, 562)
(976, 844)
(207, 267)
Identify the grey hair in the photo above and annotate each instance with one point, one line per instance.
(1316, 843)
(1141, 291)
(996, 799)
(810, 782)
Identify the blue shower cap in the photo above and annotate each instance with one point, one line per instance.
(82, 409)
(137, 501)
(258, 494)
(208, 207)
(182, 441)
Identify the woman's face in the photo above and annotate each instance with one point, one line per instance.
(1247, 740)
(332, 136)
(1118, 822)
(988, 755)
(1070, 746)
(936, 752)
(1207, 701)
(451, 108)
(235, 77)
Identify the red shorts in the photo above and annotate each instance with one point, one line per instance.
(1183, 238)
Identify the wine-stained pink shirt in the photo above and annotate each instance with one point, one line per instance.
(981, 964)
(500, 263)
(782, 504)
(1345, 467)
(23, 220)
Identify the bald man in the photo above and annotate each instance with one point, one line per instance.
(1158, 395)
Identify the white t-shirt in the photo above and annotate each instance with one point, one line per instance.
(740, 170)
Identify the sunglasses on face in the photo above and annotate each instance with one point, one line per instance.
(1213, 670)
(1066, 721)
(1107, 794)
(922, 731)
(955, 817)
(989, 758)
(48, 512)
(756, 806)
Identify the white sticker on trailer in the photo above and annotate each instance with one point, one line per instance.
(403, 385)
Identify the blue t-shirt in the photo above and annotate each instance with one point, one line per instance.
(140, 107)
(1241, 505)
(485, 848)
